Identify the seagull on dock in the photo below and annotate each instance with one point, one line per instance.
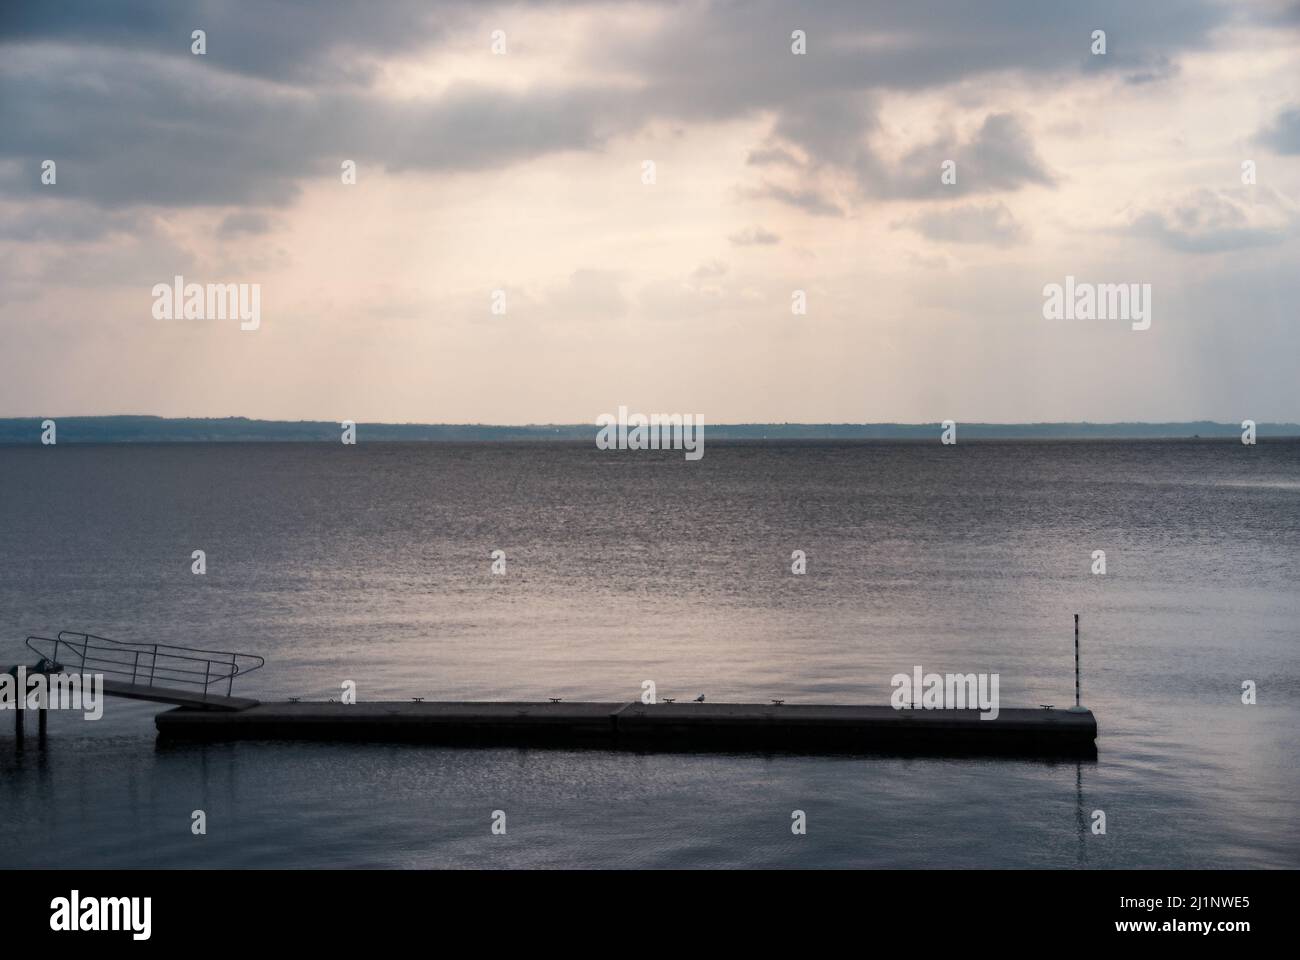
(700, 698)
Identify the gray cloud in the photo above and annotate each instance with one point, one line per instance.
(709, 270)
(55, 219)
(304, 40)
(809, 200)
(991, 224)
(280, 97)
(999, 156)
(828, 127)
(1155, 70)
(243, 222)
(160, 133)
(1217, 221)
(1283, 135)
(772, 156)
(835, 133)
(732, 56)
(754, 236)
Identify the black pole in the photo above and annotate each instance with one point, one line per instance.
(1076, 661)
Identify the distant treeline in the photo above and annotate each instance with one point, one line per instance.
(144, 429)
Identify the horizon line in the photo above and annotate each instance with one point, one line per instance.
(574, 424)
(149, 428)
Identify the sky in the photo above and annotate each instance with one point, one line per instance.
(645, 192)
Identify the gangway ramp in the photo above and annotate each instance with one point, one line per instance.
(156, 672)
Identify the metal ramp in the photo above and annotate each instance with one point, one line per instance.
(158, 672)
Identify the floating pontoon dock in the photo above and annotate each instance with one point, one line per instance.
(184, 677)
(806, 728)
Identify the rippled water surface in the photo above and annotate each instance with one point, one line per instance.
(371, 563)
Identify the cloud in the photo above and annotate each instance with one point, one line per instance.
(809, 200)
(840, 136)
(723, 58)
(1216, 221)
(477, 170)
(999, 156)
(1155, 70)
(56, 219)
(1283, 135)
(588, 295)
(724, 61)
(828, 127)
(991, 225)
(772, 156)
(243, 222)
(158, 132)
(754, 236)
(709, 270)
(303, 40)
(280, 99)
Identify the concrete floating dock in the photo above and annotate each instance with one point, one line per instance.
(806, 728)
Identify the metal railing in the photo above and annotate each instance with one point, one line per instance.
(145, 664)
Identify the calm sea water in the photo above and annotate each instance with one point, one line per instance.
(371, 563)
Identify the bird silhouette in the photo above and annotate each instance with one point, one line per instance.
(700, 698)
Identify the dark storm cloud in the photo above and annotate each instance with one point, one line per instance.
(112, 92)
(732, 56)
(152, 132)
(852, 44)
(125, 129)
(283, 39)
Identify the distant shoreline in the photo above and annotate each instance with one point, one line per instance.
(23, 431)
